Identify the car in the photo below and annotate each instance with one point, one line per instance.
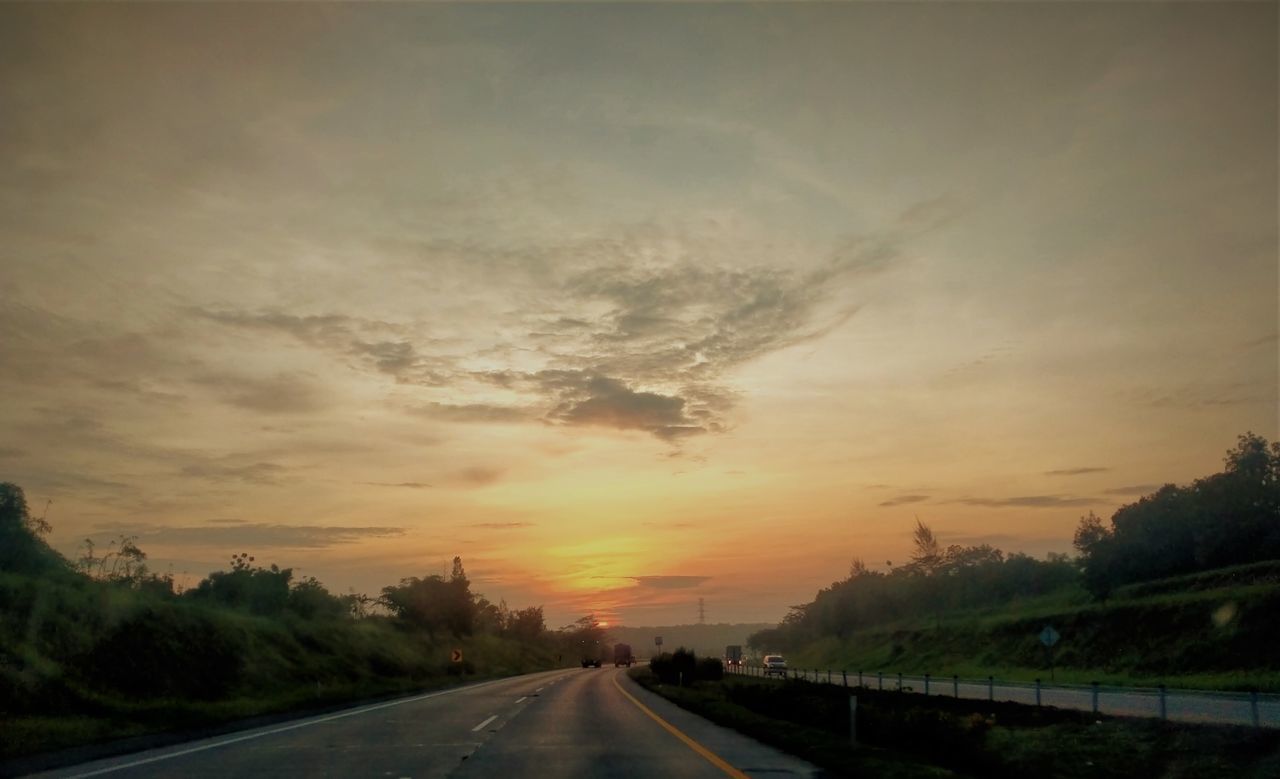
(774, 665)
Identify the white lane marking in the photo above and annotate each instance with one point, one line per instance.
(482, 724)
(540, 689)
(522, 700)
(286, 728)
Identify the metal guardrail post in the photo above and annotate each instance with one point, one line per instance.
(880, 679)
(1253, 707)
(845, 676)
(991, 688)
(1164, 712)
(926, 684)
(859, 677)
(1037, 692)
(955, 684)
(1095, 697)
(828, 676)
(853, 720)
(899, 681)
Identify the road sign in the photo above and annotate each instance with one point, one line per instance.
(657, 640)
(456, 656)
(1049, 636)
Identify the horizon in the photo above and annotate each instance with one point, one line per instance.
(628, 306)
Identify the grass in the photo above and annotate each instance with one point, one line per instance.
(904, 735)
(1216, 632)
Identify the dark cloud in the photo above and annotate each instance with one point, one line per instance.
(10, 452)
(904, 499)
(605, 402)
(1077, 471)
(1136, 489)
(415, 485)
(669, 582)
(501, 525)
(1029, 501)
(249, 536)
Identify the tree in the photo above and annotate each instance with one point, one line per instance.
(927, 556)
(526, 624)
(22, 546)
(263, 591)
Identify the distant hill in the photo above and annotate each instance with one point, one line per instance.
(709, 640)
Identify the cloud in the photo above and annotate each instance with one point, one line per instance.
(478, 476)
(283, 393)
(669, 582)
(605, 402)
(636, 329)
(252, 473)
(902, 499)
(250, 536)
(1077, 471)
(501, 525)
(475, 412)
(9, 452)
(1029, 501)
(415, 485)
(1136, 489)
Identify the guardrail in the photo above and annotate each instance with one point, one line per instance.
(1205, 706)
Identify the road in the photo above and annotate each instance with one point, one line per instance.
(565, 723)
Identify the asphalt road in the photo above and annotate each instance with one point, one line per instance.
(566, 723)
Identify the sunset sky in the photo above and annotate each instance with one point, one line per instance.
(627, 305)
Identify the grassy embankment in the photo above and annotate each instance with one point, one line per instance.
(903, 736)
(82, 661)
(1211, 630)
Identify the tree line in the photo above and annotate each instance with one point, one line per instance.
(1225, 519)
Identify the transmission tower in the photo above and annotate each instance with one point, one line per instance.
(702, 612)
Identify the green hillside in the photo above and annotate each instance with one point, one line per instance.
(1215, 629)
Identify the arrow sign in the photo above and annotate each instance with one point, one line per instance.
(456, 656)
(1049, 636)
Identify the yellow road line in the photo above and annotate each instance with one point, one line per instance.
(710, 756)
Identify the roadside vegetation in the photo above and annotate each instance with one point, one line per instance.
(904, 736)
(102, 647)
(1181, 587)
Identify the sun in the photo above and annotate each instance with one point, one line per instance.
(604, 624)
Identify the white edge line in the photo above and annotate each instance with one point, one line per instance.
(522, 700)
(295, 726)
(481, 726)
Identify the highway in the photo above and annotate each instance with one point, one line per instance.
(564, 723)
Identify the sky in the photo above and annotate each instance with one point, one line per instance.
(627, 305)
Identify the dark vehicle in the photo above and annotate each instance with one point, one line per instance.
(733, 656)
(593, 655)
(622, 655)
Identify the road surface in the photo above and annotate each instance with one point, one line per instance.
(565, 723)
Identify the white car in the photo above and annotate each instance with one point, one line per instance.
(775, 665)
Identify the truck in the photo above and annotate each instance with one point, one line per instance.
(733, 656)
(622, 655)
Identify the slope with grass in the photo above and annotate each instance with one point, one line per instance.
(1214, 630)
